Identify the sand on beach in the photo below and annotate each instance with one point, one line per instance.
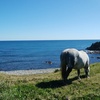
(29, 72)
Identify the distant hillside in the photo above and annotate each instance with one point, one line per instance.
(94, 46)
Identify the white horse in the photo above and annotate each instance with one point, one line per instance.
(74, 59)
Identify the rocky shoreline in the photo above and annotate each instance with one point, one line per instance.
(29, 72)
(93, 51)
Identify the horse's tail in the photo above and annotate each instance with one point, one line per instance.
(63, 66)
(67, 63)
(63, 71)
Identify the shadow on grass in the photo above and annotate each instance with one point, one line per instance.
(56, 83)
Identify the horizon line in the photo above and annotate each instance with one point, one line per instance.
(48, 39)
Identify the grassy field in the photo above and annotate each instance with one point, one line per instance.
(50, 86)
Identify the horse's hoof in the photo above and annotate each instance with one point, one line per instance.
(79, 79)
(87, 77)
(67, 98)
(65, 82)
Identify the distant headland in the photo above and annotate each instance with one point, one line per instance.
(94, 48)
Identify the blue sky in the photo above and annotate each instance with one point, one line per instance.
(49, 19)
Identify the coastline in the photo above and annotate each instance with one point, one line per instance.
(29, 72)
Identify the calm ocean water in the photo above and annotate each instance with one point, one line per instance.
(26, 55)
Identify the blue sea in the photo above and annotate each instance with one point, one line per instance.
(26, 55)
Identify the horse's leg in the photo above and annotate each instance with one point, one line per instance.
(87, 70)
(78, 72)
(68, 72)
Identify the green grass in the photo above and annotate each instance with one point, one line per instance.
(51, 87)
